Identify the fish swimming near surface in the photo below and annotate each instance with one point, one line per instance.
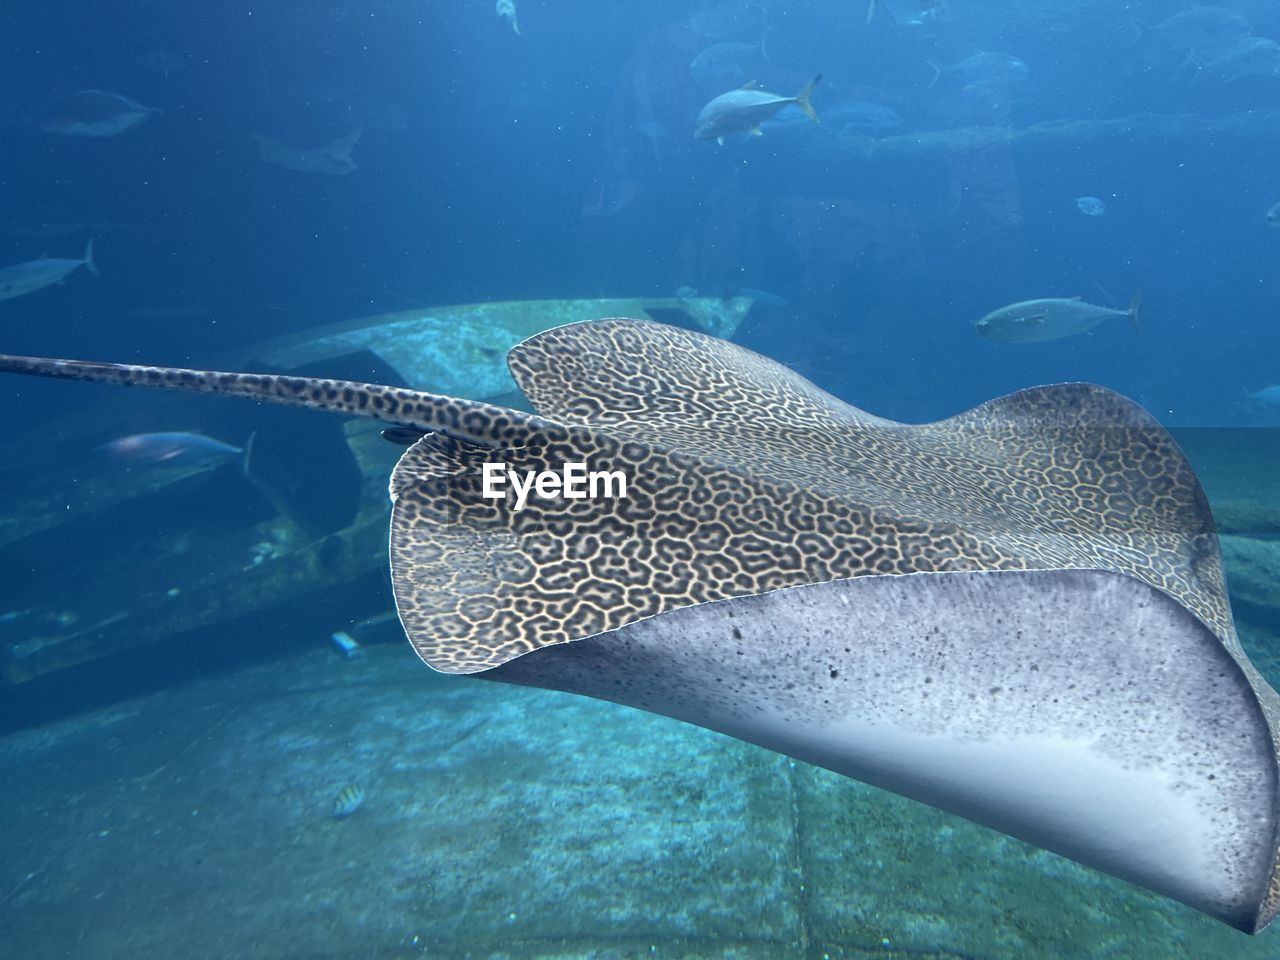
(173, 449)
(347, 801)
(1273, 214)
(1018, 614)
(333, 158)
(95, 113)
(1049, 318)
(22, 278)
(743, 110)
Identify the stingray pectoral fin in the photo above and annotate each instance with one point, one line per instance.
(1083, 711)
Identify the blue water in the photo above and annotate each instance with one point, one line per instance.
(560, 162)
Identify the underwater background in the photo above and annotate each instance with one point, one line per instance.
(194, 766)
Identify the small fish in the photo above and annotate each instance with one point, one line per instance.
(1273, 214)
(1091, 206)
(347, 801)
(173, 449)
(95, 113)
(987, 68)
(1201, 29)
(1050, 318)
(744, 109)
(333, 158)
(506, 9)
(1249, 57)
(1268, 395)
(23, 278)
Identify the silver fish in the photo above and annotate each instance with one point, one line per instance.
(95, 113)
(186, 449)
(1273, 214)
(347, 801)
(1268, 395)
(23, 278)
(1249, 57)
(1049, 318)
(744, 109)
(333, 158)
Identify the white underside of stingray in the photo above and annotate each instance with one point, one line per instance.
(1083, 711)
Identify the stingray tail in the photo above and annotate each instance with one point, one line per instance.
(478, 423)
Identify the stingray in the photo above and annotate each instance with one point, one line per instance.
(1017, 614)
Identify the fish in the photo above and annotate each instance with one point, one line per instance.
(1201, 29)
(1049, 318)
(347, 801)
(333, 158)
(1268, 395)
(728, 60)
(1018, 613)
(986, 68)
(744, 109)
(1248, 57)
(20, 279)
(506, 9)
(1273, 214)
(173, 449)
(1091, 206)
(95, 113)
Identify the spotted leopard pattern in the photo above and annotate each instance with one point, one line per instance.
(481, 423)
(1066, 476)
(744, 478)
